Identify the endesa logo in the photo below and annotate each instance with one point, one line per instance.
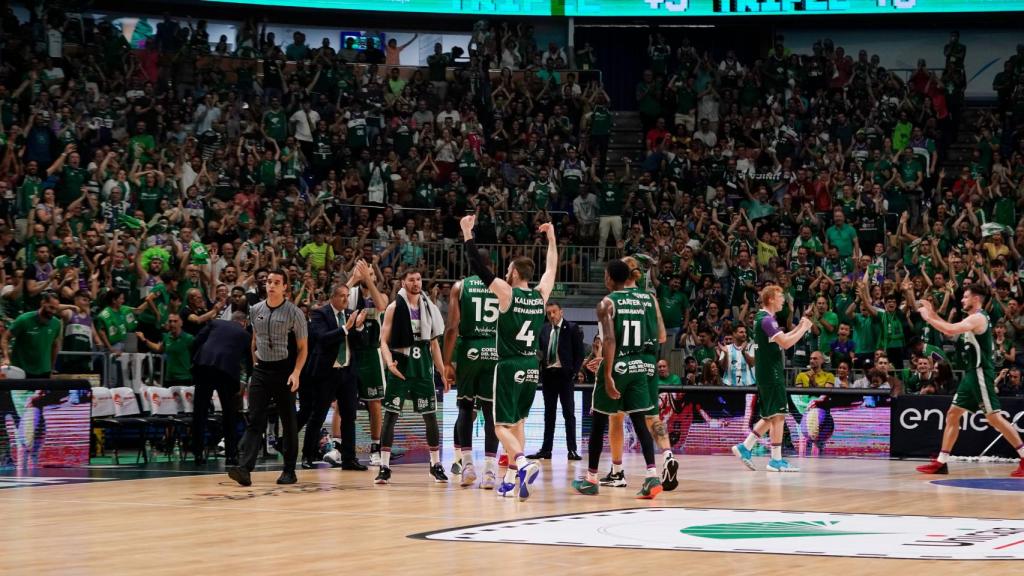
(935, 419)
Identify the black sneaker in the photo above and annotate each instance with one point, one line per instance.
(240, 475)
(287, 477)
(437, 473)
(669, 482)
(615, 480)
(383, 476)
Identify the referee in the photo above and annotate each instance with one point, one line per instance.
(275, 376)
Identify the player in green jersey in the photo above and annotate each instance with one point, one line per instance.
(770, 376)
(977, 389)
(623, 377)
(469, 359)
(520, 316)
(656, 335)
(411, 351)
(367, 360)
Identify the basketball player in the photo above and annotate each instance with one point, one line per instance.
(976, 391)
(770, 376)
(410, 349)
(517, 373)
(622, 381)
(469, 338)
(366, 355)
(656, 333)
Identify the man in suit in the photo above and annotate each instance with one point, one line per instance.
(328, 376)
(561, 348)
(219, 350)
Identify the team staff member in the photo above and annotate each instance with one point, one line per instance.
(275, 376)
(561, 347)
(220, 350)
(329, 376)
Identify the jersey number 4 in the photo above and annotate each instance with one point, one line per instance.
(526, 335)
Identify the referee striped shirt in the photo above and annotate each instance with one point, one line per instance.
(271, 327)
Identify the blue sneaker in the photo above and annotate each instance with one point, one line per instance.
(527, 475)
(506, 489)
(744, 455)
(781, 466)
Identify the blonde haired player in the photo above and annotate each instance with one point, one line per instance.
(770, 377)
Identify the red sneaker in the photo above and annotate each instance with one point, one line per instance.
(1019, 472)
(933, 467)
(503, 461)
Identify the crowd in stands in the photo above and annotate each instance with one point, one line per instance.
(140, 182)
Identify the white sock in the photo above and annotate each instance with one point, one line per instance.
(435, 457)
(776, 452)
(521, 462)
(751, 441)
(616, 468)
(1020, 451)
(385, 458)
(652, 472)
(490, 463)
(467, 457)
(667, 454)
(510, 476)
(944, 457)
(458, 454)
(591, 477)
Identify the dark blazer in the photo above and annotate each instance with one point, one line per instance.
(224, 345)
(325, 339)
(570, 348)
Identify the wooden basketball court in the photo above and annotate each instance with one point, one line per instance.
(184, 522)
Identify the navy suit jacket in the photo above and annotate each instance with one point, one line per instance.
(325, 338)
(570, 347)
(224, 345)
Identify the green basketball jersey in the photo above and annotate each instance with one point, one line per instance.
(770, 366)
(518, 328)
(371, 327)
(977, 351)
(478, 309)
(650, 318)
(630, 317)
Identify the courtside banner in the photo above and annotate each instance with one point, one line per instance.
(917, 422)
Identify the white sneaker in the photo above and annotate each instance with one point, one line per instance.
(468, 475)
(488, 481)
(333, 458)
(375, 459)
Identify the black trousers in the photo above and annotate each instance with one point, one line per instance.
(315, 399)
(208, 379)
(558, 387)
(270, 382)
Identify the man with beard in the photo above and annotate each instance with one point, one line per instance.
(36, 338)
(411, 352)
(39, 276)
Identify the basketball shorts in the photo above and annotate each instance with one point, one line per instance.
(474, 369)
(977, 393)
(370, 373)
(514, 387)
(772, 398)
(652, 386)
(632, 375)
(415, 388)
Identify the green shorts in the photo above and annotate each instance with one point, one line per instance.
(418, 390)
(772, 399)
(474, 369)
(632, 375)
(515, 386)
(652, 386)
(369, 369)
(976, 397)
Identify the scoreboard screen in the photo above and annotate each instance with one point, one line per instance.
(653, 7)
